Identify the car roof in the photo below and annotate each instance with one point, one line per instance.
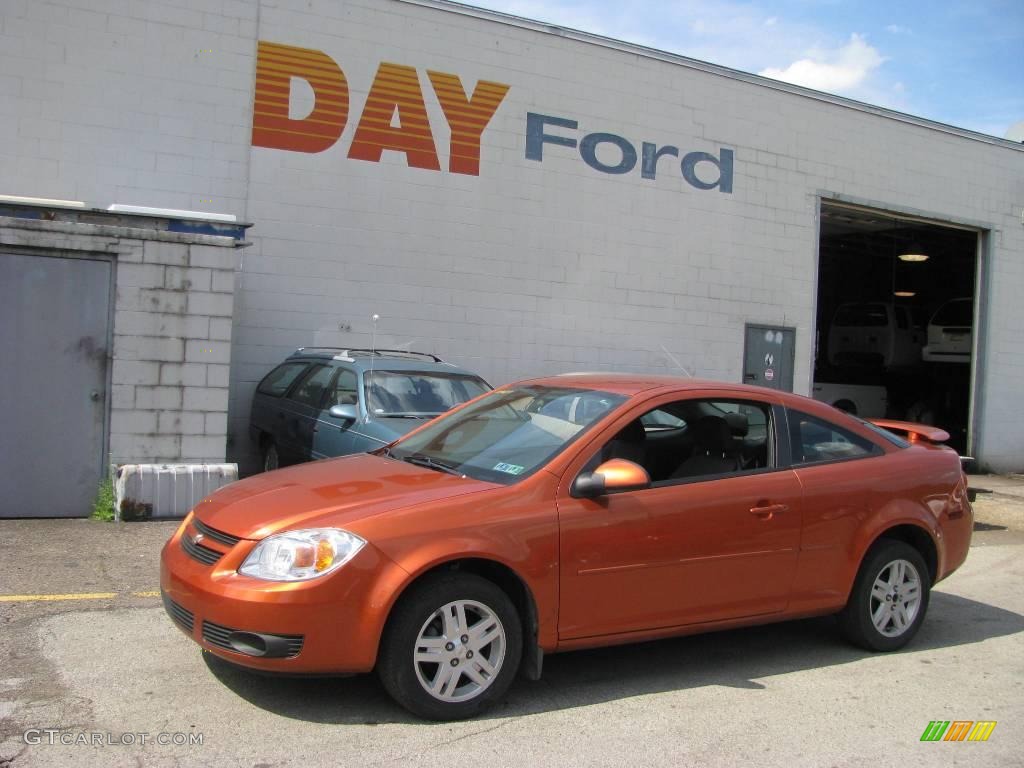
(633, 383)
(379, 359)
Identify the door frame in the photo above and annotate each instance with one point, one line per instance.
(981, 296)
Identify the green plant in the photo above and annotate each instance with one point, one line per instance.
(103, 504)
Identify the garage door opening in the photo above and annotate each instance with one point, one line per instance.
(895, 318)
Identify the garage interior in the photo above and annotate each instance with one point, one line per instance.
(890, 275)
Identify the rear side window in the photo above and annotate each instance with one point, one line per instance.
(310, 390)
(817, 441)
(276, 382)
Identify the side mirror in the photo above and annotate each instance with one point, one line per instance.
(343, 412)
(612, 475)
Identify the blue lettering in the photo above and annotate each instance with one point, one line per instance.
(588, 151)
(651, 153)
(536, 138)
(724, 165)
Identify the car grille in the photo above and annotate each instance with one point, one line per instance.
(180, 615)
(198, 552)
(204, 554)
(218, 635)
(224, 538)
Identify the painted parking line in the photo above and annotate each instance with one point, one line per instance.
(78, 596)
(47, 598)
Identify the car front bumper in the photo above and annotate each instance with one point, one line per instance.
(330, 625)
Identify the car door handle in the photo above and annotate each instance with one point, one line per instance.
(767, 511)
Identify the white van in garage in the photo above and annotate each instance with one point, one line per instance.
(950, 332)
(869, 333)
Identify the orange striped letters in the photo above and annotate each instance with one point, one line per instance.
(276, 65)
(395, 91)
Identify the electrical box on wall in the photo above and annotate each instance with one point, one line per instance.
(768, 354)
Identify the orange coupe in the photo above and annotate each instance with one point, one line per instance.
(570, 512)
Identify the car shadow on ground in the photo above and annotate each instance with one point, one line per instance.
(735, 658)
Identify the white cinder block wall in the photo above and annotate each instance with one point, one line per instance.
(530, 267)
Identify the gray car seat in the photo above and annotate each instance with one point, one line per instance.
(714, 452)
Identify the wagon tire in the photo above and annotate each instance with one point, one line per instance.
(889, 598)
(451, 647)
(271, 458)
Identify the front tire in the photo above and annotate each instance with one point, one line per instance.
(889, 598)
(451, 647)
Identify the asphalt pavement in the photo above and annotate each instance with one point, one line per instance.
(92, 672)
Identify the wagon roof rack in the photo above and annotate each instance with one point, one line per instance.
(343, 352)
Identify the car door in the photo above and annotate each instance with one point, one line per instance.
(333, 436)
(684, 551)
(301, 408)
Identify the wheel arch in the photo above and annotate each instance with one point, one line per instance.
(914, 534)
(919, 538)
(502, 575)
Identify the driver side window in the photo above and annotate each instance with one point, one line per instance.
(695, 439)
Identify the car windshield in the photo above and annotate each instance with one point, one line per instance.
(418, 393)
(508, 434)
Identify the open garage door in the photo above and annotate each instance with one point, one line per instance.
(897, 299)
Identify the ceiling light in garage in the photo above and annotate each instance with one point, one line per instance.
(914, 253)
(905, 294)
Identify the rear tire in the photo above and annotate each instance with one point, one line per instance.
(473, 630)
(271, 458)
(889, 597)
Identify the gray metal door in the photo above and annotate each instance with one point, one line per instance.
(768, 357)
(54, 324)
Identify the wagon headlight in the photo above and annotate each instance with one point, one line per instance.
(301, 555)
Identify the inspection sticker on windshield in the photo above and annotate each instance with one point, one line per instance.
(512, 469)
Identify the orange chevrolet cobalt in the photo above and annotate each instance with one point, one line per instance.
(570, 512)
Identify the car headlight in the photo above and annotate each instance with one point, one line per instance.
(301, 555)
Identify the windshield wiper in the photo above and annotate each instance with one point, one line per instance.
(422, 460)
(406, 415)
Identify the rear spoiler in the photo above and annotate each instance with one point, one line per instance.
(915, 432)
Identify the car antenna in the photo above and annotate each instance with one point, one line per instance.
(674, 360)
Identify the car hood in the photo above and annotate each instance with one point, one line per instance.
(332, 492)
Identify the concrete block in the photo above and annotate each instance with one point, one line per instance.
(214, 304)
(220, 328)
(213, 256)
(195, 448)
(158, 398)
(159, 252)
(132, 422)
(223, 281)
(183, 374)
(218, 375)
(134, 372)
(205, 399)
(188, 279)
(206, 351)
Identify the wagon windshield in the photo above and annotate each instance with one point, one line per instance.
(508, 434)
(418, 393)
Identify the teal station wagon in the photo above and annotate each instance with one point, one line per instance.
(324, 402)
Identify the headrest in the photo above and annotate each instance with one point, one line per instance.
(738, 423)
(712, 434)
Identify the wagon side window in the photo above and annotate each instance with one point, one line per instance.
(276, 382)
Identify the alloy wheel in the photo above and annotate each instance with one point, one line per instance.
(459, 651)
(895, 598)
